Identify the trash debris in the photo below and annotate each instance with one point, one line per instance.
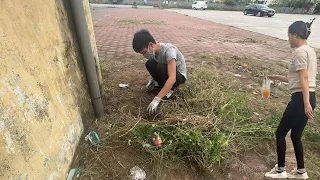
(146, 145)
(272, 82)
(129, 142)
(157, 140)
(237, 75)
(137, 173)
(265, 90)
(123, 85)
(73, 174)
(255, 113)
(244, 67)
(249, 86)
(93, 137)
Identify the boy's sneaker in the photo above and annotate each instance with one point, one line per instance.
(152, 84)
(169, 94)
(277, 173)
(294, 174)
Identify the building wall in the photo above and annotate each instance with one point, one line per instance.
(43, 93)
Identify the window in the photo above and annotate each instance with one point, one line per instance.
(262, 6)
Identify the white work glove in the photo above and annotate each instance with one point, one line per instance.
(154, 105)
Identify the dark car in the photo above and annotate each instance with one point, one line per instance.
(259, 10)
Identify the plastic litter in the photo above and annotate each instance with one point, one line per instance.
(265, 89)
(73, 174)
(93, 137)
(137, 173)
(157, 140)
(237, 75)
(123, 85)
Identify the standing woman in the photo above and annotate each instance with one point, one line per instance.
(302, 84)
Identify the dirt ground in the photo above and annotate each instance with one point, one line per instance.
(198, 40)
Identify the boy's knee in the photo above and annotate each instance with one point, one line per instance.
(161, 68)
(151, 63)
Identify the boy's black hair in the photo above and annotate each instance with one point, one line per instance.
(141, 40)
(301, 29)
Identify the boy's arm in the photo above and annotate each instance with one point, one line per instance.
(171, 80)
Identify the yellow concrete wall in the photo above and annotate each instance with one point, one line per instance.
(43, 93)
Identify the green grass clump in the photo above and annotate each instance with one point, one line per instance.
(181, 141)
(209, 120)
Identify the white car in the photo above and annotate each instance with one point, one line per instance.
(200, 5)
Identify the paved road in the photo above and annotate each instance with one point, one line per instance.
(98, 11)
(118, 6)
(276, 26)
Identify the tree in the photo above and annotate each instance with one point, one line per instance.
(229, 2)
(294, 3)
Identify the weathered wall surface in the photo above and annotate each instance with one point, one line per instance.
(43, 93)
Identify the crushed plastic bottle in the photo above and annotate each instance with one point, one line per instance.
(93, 137)
(137, 173)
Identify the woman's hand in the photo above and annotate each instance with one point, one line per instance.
(308, 110)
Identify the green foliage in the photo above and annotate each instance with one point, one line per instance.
(217, 121)
(229, 2)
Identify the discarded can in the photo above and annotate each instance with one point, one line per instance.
(73, 174)
(93, 137)
(157, 141)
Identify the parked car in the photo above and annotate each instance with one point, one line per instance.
(259, 10)
(199, 5)
(155, 5)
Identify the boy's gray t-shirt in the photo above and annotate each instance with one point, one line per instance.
(169, 52)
